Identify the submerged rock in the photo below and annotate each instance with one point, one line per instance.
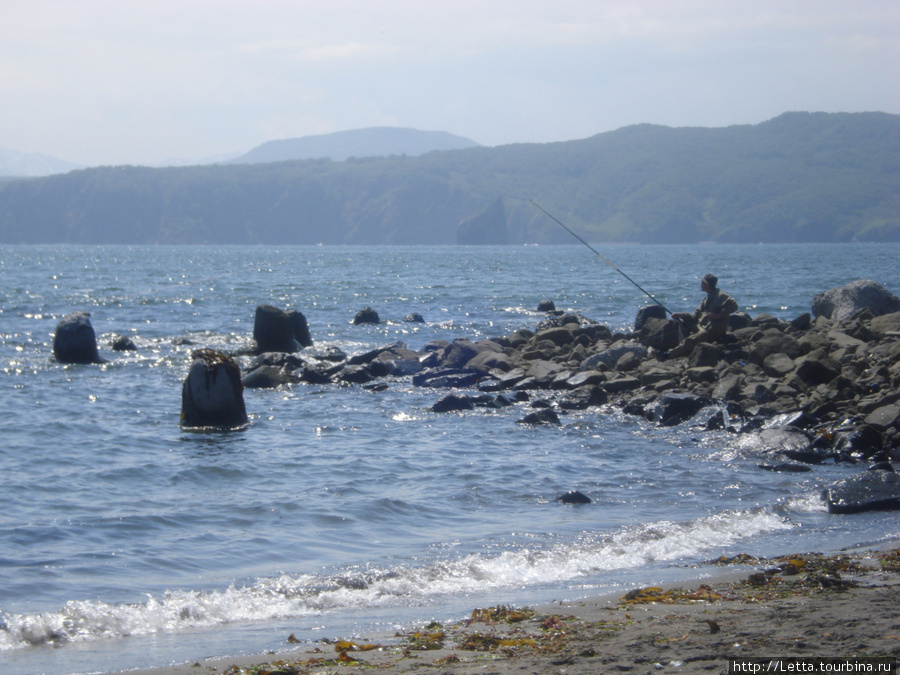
(212, 394)
(574, 497)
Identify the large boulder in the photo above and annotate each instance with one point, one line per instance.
(841, 304)
(212, 394)
(274, 330)
(866, 491)
(75, 340)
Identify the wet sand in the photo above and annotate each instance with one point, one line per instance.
(810, 606)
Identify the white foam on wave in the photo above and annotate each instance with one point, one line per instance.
(294, 595)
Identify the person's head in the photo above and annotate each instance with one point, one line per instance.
(709, 282)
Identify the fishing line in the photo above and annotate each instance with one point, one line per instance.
(601, 256)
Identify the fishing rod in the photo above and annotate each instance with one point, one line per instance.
(601, 256)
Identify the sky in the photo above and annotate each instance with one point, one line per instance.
(109, 82)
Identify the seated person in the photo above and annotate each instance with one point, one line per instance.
(711, 317)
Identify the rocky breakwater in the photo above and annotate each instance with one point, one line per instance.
(823, 387)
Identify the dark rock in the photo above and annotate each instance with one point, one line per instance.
(280, 359)
(541, 416)
(301, 328)
(886, 324)
(865, 441)
(367, 315)
(122, 343)
(648, 312)
(453, 402)
(268, 377)
(212, 394)
(786, 467)
(774, 341)
(574, 497)
(75, 340)
(315, 374)
(659, 333)
(884, 417)
(705, 355)
(332, 354)
(447, 377)
(627, 362)
(355, 374)
(613, 353)
(621, 384)
(273, 330)
(672, 409)
(414, 317)
(841, 304)
(546, 306)
(817, 368)
(802, 322)
(583, 398)
(866, 491)
(790, 444)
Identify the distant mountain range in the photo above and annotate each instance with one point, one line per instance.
(800, 177)
(32, 164)
(341, 145)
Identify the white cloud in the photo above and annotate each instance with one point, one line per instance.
(138, 81)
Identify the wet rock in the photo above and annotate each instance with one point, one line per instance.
(75, 340)
(301, 328)
(541, 416)
(212, 394)
(447, 377)
(672, 409)
(546, 306)
(866, 491)
(122, 343)
(269, 377)
(273, 330)
(786, 467)
(574, 497)
(367, 315)
(355, 374)
(583, 398)
(453, 402)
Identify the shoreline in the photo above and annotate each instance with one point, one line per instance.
(803, 606)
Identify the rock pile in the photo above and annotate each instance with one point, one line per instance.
(830, 384)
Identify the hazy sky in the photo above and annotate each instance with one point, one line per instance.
(143, 81)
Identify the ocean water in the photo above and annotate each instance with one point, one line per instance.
(126, 541)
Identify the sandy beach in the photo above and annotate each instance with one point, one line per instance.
(805, 606)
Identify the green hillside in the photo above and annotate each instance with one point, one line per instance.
(799, 177)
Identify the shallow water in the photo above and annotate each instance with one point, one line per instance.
(127, 542)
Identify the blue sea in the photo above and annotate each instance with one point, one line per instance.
(127, 541)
